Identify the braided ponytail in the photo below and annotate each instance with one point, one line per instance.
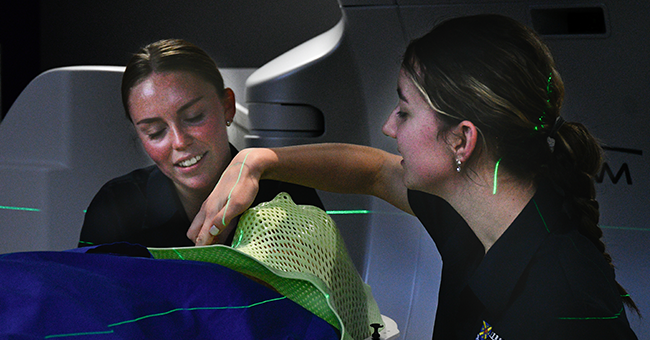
(577, 157)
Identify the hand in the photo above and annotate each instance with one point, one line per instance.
(233, 194)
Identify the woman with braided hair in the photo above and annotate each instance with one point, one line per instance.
(501, 182)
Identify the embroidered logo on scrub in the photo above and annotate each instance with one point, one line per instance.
(486, 333)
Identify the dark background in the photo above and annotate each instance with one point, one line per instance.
(37, 35)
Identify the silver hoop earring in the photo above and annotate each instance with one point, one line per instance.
(458, 164)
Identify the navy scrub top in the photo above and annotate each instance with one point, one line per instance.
(542, 279)
(143, 207)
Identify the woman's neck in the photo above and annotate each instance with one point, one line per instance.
(489, 213)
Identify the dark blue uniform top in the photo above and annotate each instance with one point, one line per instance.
(143, 207)
(542, 279)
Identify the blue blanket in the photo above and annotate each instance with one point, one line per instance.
(83, 295)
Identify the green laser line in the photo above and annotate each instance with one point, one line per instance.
(365, 212)
(179, 254)
(77, 334)
(496, 169)
(162, 314)
(348, 212)
(223, 218)
(4, 207)
(194, 309)
(594, 317)
(540, 215)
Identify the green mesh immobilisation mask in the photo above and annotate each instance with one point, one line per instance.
(298, 251)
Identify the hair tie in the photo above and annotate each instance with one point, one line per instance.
(552, 134)
(559, 121)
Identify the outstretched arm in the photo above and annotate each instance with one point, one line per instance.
(341, 168)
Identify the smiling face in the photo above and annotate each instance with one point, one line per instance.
(181, 121)
(428, 160)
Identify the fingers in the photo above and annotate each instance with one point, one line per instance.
(233, 194)
(195, 227)
(208, 234)
(212, 219)
(212, 235)
(213, 226)
(205, 227)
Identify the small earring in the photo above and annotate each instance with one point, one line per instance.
(458, 164)
(228, 123)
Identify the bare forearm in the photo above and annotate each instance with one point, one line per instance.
(341, 168)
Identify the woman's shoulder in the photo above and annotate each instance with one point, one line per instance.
(116, 208)
(576, 254)
(125, 189)
(580, 275)
(569, 288)
(137, 176)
